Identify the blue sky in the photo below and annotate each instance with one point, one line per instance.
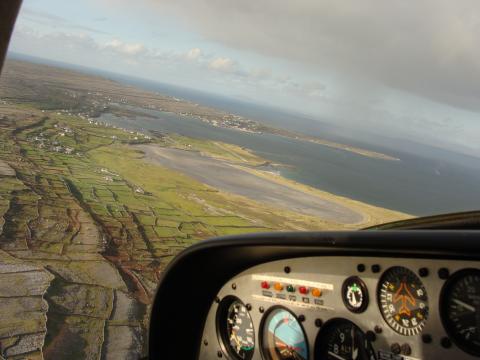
(385, 69)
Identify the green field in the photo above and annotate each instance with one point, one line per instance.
(101, 223)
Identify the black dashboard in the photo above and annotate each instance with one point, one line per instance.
(334, 295)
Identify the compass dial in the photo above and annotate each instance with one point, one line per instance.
(403, 301)
(460, 310)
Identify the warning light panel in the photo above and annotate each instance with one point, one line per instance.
(289, 291)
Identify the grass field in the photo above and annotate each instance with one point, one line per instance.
(98, 224)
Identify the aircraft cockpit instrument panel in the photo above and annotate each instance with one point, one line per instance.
(345, 308)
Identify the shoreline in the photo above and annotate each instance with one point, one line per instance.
(372, 214)
(261, 128)
(263, 185)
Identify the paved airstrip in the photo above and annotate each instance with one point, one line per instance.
(226, 177)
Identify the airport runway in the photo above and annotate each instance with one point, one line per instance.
(226, 177)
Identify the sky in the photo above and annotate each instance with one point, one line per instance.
(406, 68)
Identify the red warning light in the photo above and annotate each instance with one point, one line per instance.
(303, 290)
(265, 285)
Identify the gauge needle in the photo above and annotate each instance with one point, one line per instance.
(354, 349)
(335, 355)
(234, 337)
(464, 305)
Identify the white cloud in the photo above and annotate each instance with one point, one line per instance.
(194, 54)
(131, 49)
(222, 64)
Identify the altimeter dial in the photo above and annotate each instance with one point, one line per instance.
(340, 339)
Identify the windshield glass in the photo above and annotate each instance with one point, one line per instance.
(132, 130)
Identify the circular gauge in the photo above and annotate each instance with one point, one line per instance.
(283, 337)
(355, 294)
(235, 328)
(460, 309)
(340, 339)
(403, 301)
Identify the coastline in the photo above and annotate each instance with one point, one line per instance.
(278, 190)
(372, 214)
